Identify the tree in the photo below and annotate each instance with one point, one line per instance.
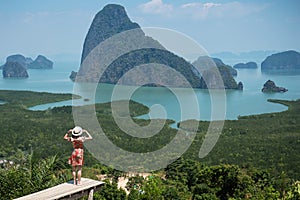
(30, 175)
(152, 188)
(110, 191)
(294, 192)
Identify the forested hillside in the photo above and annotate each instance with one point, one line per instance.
(256, 157)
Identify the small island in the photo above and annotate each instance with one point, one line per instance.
(248, 65)
(16, 66)
(14, 70)
(270, 86)
(41, 62)
(282, 62)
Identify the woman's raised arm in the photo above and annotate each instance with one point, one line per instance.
(66, 137)
(89, 137)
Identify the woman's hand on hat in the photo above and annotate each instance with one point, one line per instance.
(89, 136)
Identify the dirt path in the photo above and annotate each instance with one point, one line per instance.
(122, 181)
(122, 184)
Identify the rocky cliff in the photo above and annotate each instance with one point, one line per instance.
(287, 60)
(19, 59)
(206, 62)
(41, 62)
(112, 27)
(111, 20)
(100, 61)
(210, 75)
(270, 86)
(220, 63)
(14, 70)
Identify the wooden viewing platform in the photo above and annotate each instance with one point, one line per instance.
(67, 191)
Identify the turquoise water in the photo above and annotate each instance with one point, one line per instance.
(174, 104)
(52, 80)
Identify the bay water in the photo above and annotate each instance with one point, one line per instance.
(167, 103)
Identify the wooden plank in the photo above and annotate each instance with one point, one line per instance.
(66, 191)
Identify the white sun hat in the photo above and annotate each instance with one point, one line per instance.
(77, 131)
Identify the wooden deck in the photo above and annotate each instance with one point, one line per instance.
(67, 191)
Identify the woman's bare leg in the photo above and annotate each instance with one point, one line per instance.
(74, 174)
(79, 171)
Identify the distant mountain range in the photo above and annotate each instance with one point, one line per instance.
(243, 57)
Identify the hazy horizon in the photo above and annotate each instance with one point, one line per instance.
(57, 28)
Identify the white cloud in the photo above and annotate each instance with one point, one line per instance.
(242, 9)
(205, 10)
(28, 17)
(200, 5)
(33, 17)
(207, 6)
(200, 10)
(218, 10)
(156, 7)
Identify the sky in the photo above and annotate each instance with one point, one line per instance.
(57, 28)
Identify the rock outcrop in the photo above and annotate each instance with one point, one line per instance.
(22, 60)
(112, 22)
(209, 76)
(41, 62)
(14, 70)
(206, 62)
(73, 75)
(112, 32)
(220, 63)
(248, 65)
(240, 86)
(270, 86)
(287, 60)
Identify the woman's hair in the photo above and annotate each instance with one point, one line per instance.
(75, 137)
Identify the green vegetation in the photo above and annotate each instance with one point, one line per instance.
(268, 141)
(256, 157)
(28, 99)
(25, 130)
(30, 175)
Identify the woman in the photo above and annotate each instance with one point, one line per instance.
(76, 159)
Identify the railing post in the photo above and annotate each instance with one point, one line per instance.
(91, 194)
